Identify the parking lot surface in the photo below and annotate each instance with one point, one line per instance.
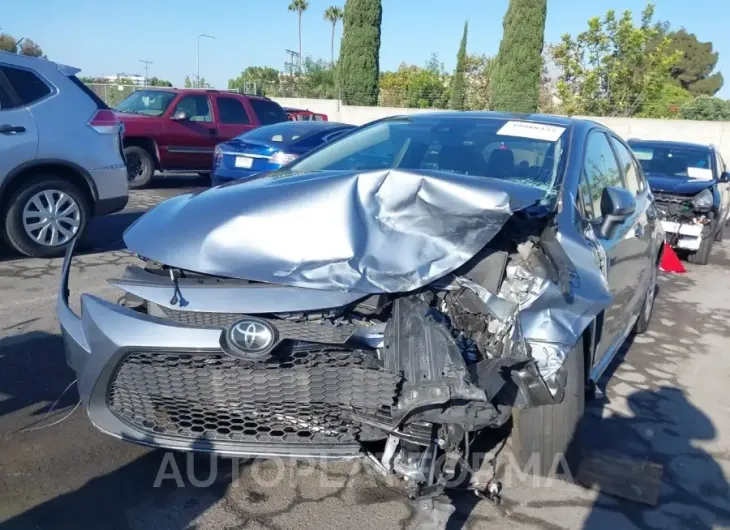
(665, 410)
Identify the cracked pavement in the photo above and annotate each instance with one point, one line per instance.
(665, 402)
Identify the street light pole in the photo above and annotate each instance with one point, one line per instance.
(199, 37)
(146, 69)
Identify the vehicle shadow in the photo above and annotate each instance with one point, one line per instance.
(138, 495)
(33, 370)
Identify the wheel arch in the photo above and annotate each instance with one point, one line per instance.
(61, 168)
(146, 143)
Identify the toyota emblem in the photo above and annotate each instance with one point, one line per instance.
(252, 338)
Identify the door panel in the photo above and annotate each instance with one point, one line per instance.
(232, 117)
(19, 142)
(600, 170)
(190, 143)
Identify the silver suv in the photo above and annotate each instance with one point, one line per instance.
(61, 160)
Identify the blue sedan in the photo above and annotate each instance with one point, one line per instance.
(270, 147)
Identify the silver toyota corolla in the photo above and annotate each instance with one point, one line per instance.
(386, 296)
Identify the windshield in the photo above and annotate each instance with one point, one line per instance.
(674, 161)
(147, 102)
(285, 132)
(525, 152)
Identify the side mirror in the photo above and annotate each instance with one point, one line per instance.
(181, 115)
(725, 177)
(617, 204)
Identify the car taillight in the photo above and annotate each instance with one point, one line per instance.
(105, 122)
(283, 159)
(217, 156)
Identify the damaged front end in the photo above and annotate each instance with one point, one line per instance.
(394, 353)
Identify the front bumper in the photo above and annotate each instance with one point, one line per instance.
(108, 343)
(683, 235)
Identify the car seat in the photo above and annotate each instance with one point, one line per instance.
(501, 163)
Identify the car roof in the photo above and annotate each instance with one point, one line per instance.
(36, 63)
(483, 114)
(670, 144)
(312, 126)
(202, 91)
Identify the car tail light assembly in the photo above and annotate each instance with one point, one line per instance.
(105, 122)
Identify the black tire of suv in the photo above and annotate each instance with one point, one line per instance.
(702, 255)
(14, 232)
(551, 431)
(146, 161)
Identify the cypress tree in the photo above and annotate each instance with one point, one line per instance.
(458, 83)
(360, 52)
(516, 78)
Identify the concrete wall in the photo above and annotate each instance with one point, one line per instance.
(714, 132)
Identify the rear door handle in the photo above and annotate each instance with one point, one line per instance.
(11, 129)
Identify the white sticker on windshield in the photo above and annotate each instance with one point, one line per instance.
(534, 131)
(699, 173)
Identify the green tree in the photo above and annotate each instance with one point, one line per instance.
(614, 68)
(333, 14)
(159, 82)
(706, 108)
(458, 82)
(416, 87)
(693, 71)
(194, 82)
(318, 80)
(262, 80)
(518, 65)
(478, 77)
(666, 102)
(28, 47)
(300, 6)
(360, 52)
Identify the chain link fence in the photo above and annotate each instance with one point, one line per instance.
(112, 94)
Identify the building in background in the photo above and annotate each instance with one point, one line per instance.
(136, 79)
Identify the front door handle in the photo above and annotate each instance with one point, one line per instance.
(639, 231)
(11, 129)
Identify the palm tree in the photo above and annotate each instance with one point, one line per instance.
(333, 14)
(300, 6)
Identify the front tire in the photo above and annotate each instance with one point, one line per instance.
(140, 166)
(702, 255)
(45, 215)
(549, 433)
(647, 308)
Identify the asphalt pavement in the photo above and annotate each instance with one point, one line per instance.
(663, 426)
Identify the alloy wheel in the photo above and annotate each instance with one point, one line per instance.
(51, 218)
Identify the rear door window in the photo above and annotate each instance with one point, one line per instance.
(267, 111)
(600, 170)
(26, 84)
(231, 111)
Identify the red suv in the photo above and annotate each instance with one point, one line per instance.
(174, 129)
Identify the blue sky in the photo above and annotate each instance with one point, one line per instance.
(256, 32)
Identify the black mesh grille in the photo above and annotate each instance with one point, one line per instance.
(665, 198)
(299, 396)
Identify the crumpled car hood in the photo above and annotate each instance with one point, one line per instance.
(369, 232)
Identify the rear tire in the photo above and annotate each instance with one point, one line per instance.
(140, 166)
(15, 231)
(550, 432)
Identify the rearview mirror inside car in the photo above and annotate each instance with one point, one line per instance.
(617, 204)
(181, 115)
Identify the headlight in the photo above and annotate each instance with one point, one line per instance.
(283, 158)
(548, 357)
(703, 201)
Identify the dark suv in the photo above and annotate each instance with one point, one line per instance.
(173, 129)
